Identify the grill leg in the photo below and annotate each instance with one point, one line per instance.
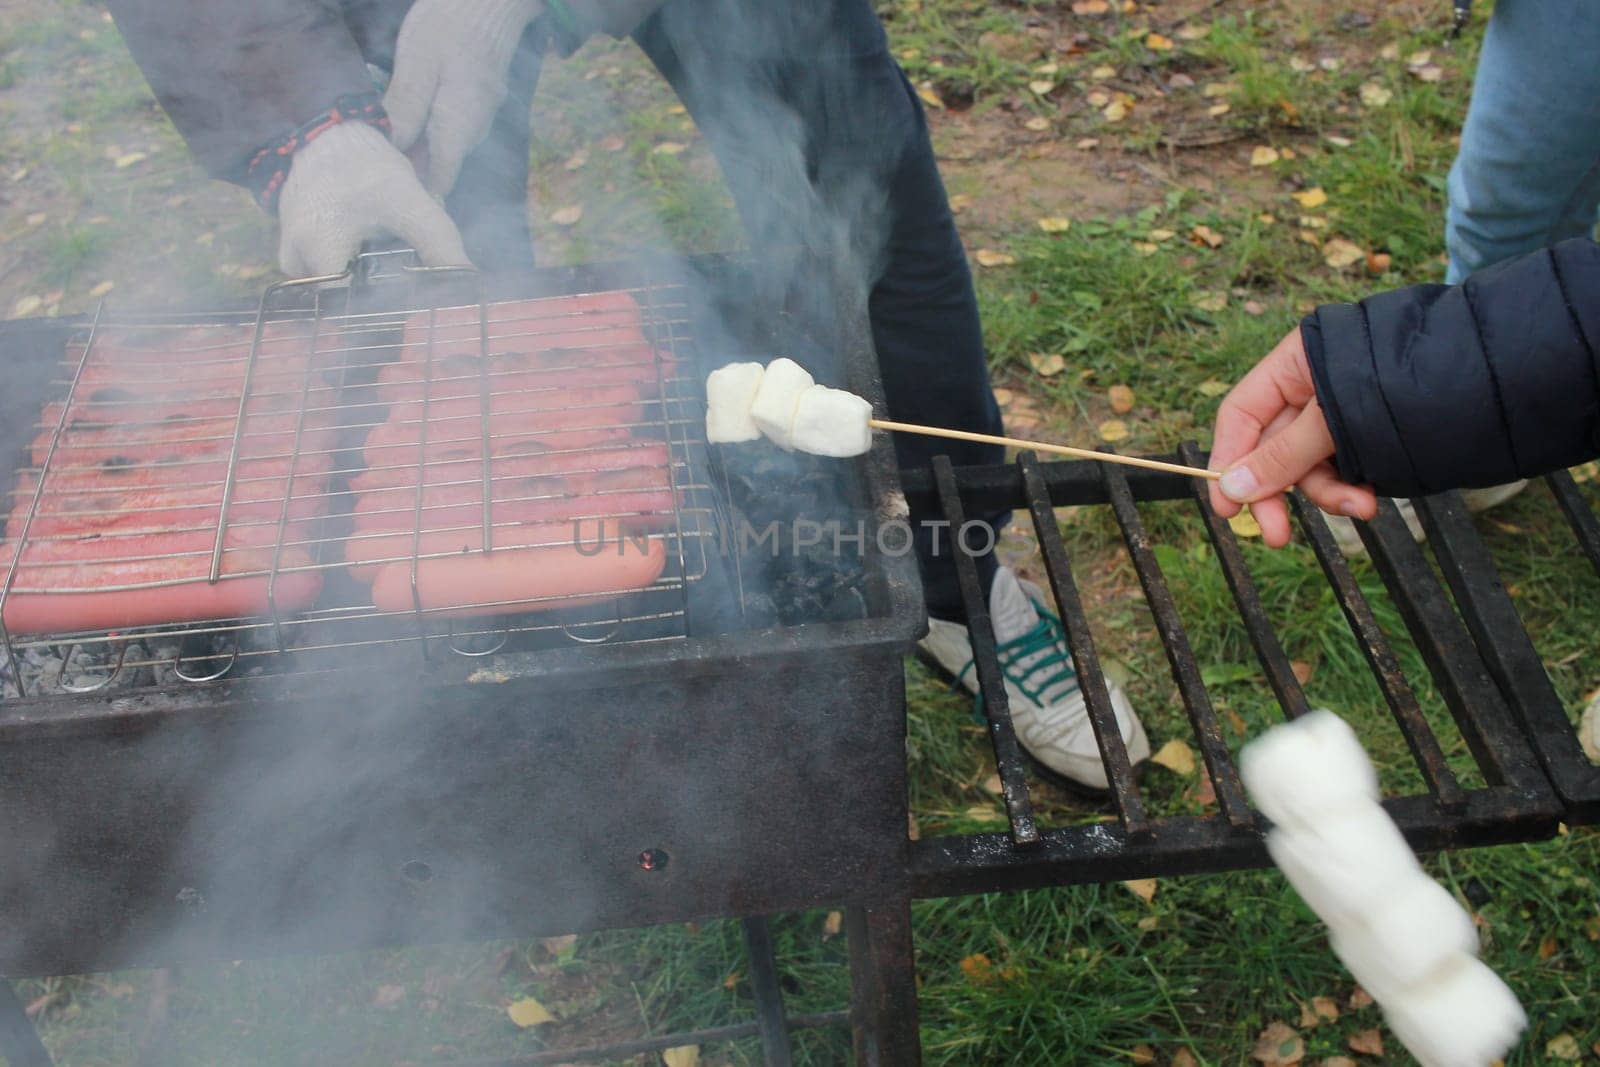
(883, 980)
(19, 1041)
(775, 1050)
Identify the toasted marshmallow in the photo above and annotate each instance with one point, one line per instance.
(776, 399)
(730, 393)
(831, 422)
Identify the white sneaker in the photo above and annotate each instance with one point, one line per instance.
(1047, 707)
(1349, 541)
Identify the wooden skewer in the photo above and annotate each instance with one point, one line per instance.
(1041, 446)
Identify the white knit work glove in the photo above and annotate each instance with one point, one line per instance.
(350, 185)
(450, 67)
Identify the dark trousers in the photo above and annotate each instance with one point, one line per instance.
(825, 148)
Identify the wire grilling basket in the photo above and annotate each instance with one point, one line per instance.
(213, 492)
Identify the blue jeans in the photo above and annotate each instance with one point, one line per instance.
(1528, 173)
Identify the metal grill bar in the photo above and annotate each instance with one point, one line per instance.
(1086, 661)
(1513, 661)
(1185, 669)
(1480, 713)
(1380, 657)
(986, 660)
(1280, 673)
(1579, 516)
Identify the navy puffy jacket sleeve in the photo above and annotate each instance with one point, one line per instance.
(1447, 387)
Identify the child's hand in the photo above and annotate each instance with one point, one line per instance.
(1272, 435)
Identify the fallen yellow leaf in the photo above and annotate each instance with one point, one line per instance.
(1313, 197)
(1184, 1058)
(1203, 234)
(1047, 364)
(1102, 72)
(1563, 1047)
(1301, 66)
(1212, 302)
(930, 95)
(1041, 86)
(1216, 111)
(1176, 756)
(567, 216)
(1143, 1055)
(1212, 387)
(1088, 143)
(681, 1056)
(102, 289)
(1375, 95)
(1367, 1042)
(978, 968)
(1419, 59)
(1055, 224)
(26, 306)
(1244, 524)
(1431, 73)
(1218, 89)
(1115, 111)
(833, 925)
(1113, 430)
(1121, 398)
(1098, 98)
(1090, 7)
(1145, 248)
(1263, 156)
(1339, 253)
(1143, 888)
(1192, 32)
(1161, 236)
(128, 160)
(1038, 124)
(36, 219)
(1319, 1010)
(1360, 998)
(1278, 1046)
(577, 160)
(1159, 43)
(529, 1012)
(960, 202)
(669, 148)
(989, 257)
(1301, 670)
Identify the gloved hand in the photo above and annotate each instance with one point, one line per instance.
(450, 67)
(350, 185)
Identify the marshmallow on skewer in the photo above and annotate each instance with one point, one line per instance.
(831, 422)
(1465, 1016)
(1347, 865)
(1417, 934)
(1299, 774)
(773, 409)
(730, 393)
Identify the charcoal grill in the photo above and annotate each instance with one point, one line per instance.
(690, 816)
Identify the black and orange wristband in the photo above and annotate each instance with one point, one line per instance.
(268, 168)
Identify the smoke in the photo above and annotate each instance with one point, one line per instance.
(308, 814)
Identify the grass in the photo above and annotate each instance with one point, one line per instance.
(1129, 295)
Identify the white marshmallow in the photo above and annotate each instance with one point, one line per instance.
(1413, 933)
(1347, 865)
(832, 422)
(1302, 772)
(730, 392)
(775, 402)
(1465, 1017)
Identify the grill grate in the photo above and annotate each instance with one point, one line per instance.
(268, 469)
(1515, 801)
